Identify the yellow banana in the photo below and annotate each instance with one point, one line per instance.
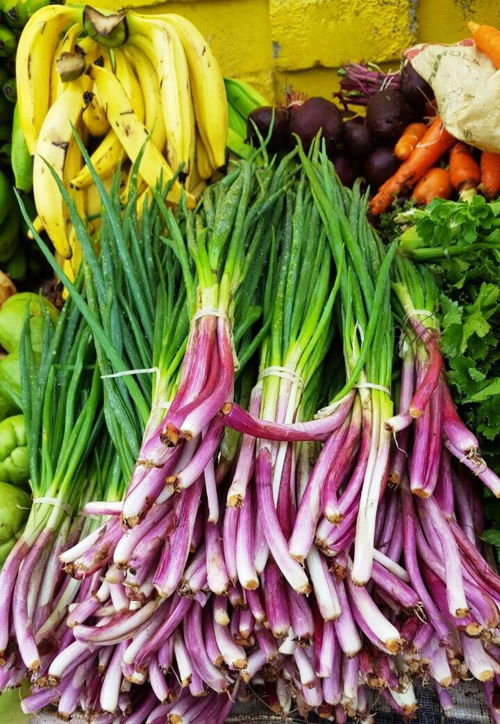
(66, 45)
(132, 133)
(52, 148)
(144, 198)
(93, 197)
(148, 79)
(128, 79)
(94, 116)
(105, 160)
(67, 268)
(203, 164)
(162, 46)
(207, 87)
(109, 154)
(38, 226)
(93, 203)
(92, 51)
(34, 59)
(141, 186)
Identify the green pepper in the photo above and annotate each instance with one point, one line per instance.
(10, 379)
(13, 451)
(7, 406)
(15, 506)
(13, 315)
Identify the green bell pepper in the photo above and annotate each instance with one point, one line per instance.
(14, 467)
(15, 506)
(13, 315)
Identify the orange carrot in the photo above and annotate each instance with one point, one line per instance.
(428, 150)
(490, 174)
(411, 136)
(435, 183)
(487, 40)
(464, 171)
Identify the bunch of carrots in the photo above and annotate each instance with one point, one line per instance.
(421, 147)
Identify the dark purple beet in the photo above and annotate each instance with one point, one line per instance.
(415, 88)
(357, 139)
(346, 167)
(263, 118)
(387, 115)
(315, 114)
(380, 165)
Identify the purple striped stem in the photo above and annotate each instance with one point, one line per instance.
(194, 640)
(308, 514)
(275, 539)
(239, 419)
(217, 576)
(275, 601)
(171, 567)
(245, 463)
(432, 612)
(245, 544)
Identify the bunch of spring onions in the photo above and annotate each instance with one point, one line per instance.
(62, 402)
(280, 529)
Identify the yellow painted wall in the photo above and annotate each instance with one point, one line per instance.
(276, 44)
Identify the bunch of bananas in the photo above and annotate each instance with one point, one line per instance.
(134, 87)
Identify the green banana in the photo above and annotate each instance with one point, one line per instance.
(237, 145)
(236, 121)
(9, 89)
(29, 205)
(8, 7)
(5, 151)
(35, 263)
(8, 42)
(7, 198)
(243, 97)
(6, 110)
(5, 131)
(9, 234)
(17, 266)
(18, 12)
(21, 161)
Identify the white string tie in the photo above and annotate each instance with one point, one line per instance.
(56, 503)
(208, 312)
(372, 386)
(420, 312)
(284, 373)
(125, 373)
(330, 409)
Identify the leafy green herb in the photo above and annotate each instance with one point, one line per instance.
(460, 241)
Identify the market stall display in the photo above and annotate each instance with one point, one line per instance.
(249, 448)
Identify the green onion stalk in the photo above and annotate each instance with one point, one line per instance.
(350, 475)
(213, 250)
(144, 567)
(436, 460)
(205, 265)
(426, 402)
(300, 298)
(134, 303)
(62, 401)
